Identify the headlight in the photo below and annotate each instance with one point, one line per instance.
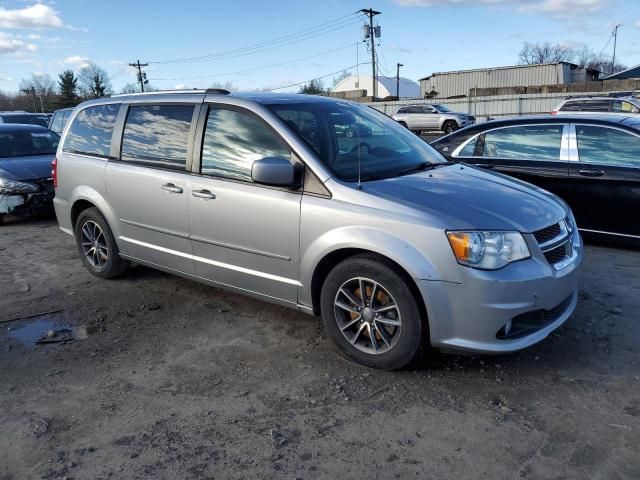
(488, 250)
(13, 186)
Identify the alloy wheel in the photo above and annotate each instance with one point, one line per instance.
(367, 315)
(94, 244)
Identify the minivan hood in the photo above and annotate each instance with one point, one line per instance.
(26, 168)
(477, 199)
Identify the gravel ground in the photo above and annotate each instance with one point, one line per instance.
(171, 379)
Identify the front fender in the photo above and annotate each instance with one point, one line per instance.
(379, 241)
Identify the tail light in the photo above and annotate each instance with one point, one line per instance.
(554, 112)
(54, 172)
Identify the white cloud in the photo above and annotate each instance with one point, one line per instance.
(10, 44)
(36, 16)
(552, 7)
(180, 86)
(5, 78)
(638, 24)
(76, 60)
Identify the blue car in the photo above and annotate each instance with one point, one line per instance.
(26, 186)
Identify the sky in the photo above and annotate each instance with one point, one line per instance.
(272, 44)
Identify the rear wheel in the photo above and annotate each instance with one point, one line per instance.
(371, 313)
(449, 126)
(97, 246)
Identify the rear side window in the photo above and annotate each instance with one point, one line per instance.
(56, 122)
(607, 146)
(571, 106)
(469, 149)
(526, 142)
(91, 130)
(157, 135)
(28, 119)
(620, 106)
(596, 105)
(234, 140)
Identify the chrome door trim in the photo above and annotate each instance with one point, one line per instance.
(215, 263)
(155, 229)
(239, 248)
(573, 155)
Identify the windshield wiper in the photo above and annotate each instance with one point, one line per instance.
(417, 168)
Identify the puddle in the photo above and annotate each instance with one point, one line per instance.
(45, 330)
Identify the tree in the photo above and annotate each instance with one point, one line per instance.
(135, 88)
(314, 87)
(42, 88)
(68, 86)
(225, 86)
(340, 77)
(536, 53)
(94, 81)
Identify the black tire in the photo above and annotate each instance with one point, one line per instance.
(109, 265)
(412, 334)
(449, 126)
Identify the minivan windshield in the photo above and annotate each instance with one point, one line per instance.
(357, 141)
(23, 143)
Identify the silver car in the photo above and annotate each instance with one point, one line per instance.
(394, 247)
(423, 117)
(624, 106)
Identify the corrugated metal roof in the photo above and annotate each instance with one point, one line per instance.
(633, 72)
(497, 68)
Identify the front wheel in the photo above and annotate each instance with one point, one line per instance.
(96, 245)
(371, 313)
(449, 126)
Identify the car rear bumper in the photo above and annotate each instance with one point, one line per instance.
(529, 296)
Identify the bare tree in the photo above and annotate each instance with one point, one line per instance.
(536, 53)
(225, 86)
(94, 81)
(42, 87)
(341, 76)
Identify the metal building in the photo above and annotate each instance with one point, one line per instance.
(386, 86)
(461, 83)
(633, 72)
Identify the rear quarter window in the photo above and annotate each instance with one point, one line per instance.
(571, 106)
(91, 130)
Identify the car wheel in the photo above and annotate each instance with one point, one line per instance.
(371, 313)
(349, 132)
(449, 126)
(96, 245)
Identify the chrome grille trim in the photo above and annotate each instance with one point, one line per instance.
(557, 250)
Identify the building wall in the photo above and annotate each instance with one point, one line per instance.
(459, 83)
(386, 86)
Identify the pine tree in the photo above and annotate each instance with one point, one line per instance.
(68, 83)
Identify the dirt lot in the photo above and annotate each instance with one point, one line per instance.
(179, 380)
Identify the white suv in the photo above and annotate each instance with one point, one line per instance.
(598, 104)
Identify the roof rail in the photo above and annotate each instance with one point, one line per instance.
(221, 91)
(607, 95)
(160, 92)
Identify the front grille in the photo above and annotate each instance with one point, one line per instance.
(548, 233)
(557, 254)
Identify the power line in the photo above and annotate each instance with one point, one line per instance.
(316, 78)
(257, 68)
(302, 35)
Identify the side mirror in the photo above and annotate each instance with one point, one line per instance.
(277, 172)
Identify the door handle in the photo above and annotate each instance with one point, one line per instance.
(205, 194)
(589, 172)
(488, 166)
(170, 187)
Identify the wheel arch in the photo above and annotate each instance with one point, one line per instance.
(86, 197)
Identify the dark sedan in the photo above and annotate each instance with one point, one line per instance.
(26, 152)
(593, 163)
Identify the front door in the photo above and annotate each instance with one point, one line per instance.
(533, 153)
(605, 179)
(243, 234)
(148, 187)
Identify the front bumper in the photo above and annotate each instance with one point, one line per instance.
(25, 204)
(471, 316)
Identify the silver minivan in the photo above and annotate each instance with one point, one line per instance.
(393, 246)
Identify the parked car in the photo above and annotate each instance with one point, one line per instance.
(25, 118)
(393, 246)
(59, 119)
(623, 106)
(26, 186)
(593, 163)
(418, 118)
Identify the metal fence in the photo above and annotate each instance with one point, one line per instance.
(496, 106)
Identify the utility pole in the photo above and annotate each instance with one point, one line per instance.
(142, 77)
(615, 40)
(398, 65)
(31, 91)
(372, 34)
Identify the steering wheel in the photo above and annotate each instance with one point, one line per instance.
(361, 145)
